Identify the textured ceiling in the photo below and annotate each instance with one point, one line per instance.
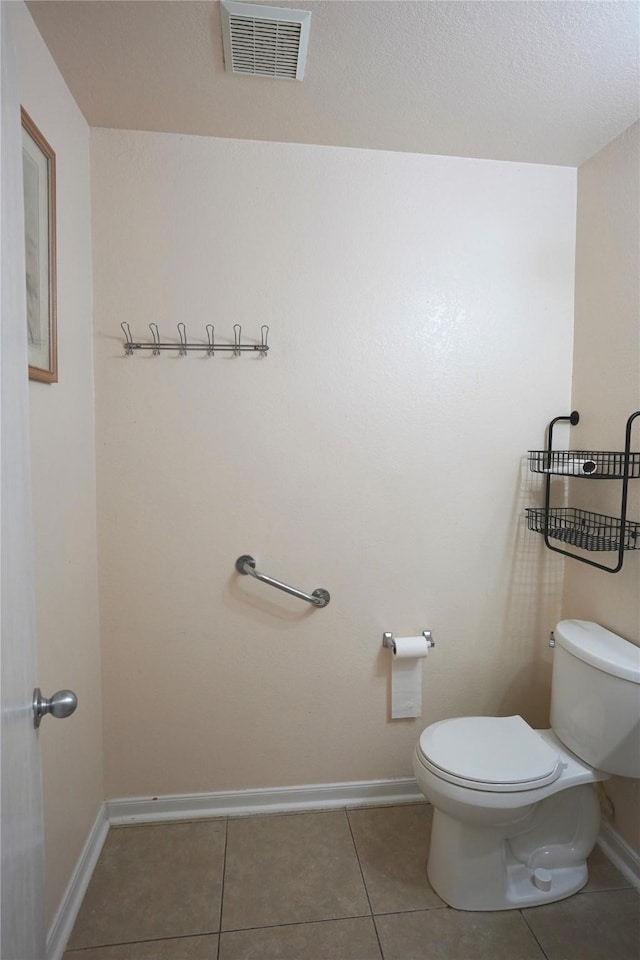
(545, 82)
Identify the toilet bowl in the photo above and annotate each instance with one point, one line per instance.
(515, 809)
(496, 838)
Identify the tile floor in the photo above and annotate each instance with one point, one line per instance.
(348, 884)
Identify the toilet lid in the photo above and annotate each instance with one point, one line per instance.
(489, 753)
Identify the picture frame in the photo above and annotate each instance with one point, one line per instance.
(39, 173)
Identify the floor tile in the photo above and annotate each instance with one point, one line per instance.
(602, 874)
(153, 882)
(328, 940)
(445, 934)
(392, 845)
(291, 869)
(186, 948)
(589, 926)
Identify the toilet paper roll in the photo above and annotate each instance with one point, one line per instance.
(405, 647)
(574, 467)
(583, 467)
(406, 676)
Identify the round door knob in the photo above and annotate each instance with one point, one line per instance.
(61, 704)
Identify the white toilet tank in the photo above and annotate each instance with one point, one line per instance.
(595, 696)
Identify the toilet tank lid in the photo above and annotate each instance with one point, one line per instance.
(600, 648)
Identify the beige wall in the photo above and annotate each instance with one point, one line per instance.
(606, 389)
(421, 315)
(63, 478)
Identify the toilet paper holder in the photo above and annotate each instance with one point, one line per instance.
(389, 641)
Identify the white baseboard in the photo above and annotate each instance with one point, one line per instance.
(620, 853)
(63, 922)
(230, 803)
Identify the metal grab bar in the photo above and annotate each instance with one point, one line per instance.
(247, 565)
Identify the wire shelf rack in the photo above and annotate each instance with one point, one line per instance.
(593, 464)
(584, 528)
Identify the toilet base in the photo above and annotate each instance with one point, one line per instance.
(517, 889)
(523, 864)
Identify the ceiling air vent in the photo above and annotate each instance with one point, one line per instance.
(264, 41)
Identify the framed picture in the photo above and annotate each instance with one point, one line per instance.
(39, 169)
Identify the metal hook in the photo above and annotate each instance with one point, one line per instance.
(210, 333)
(182, 332)
(264, 333)
(128, 339)
(237, 331)
(155, 333)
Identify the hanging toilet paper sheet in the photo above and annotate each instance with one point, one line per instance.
(406, 676)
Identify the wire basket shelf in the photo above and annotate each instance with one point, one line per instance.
(583, 528)
(593, 464)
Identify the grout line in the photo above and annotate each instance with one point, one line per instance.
(358, 916)
(224, 871)
(364, 882)
(355, 850)
(130, 943)
(594, 893)
(140, 824)
(375, 927)
(532, 931)
(625, 886)
(299, 923)
(394, 913)
(382, 805)
(310, 812)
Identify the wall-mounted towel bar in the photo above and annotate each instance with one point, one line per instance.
(247, 565)
(183, 346)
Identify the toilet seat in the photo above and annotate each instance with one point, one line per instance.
(497, 754)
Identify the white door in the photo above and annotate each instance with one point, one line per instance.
(22, 934)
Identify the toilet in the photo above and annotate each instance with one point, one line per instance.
(516, 813)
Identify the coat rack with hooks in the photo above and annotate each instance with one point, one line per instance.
(584, 528)
(183, 346)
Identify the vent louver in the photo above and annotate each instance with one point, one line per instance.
(265, 41)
